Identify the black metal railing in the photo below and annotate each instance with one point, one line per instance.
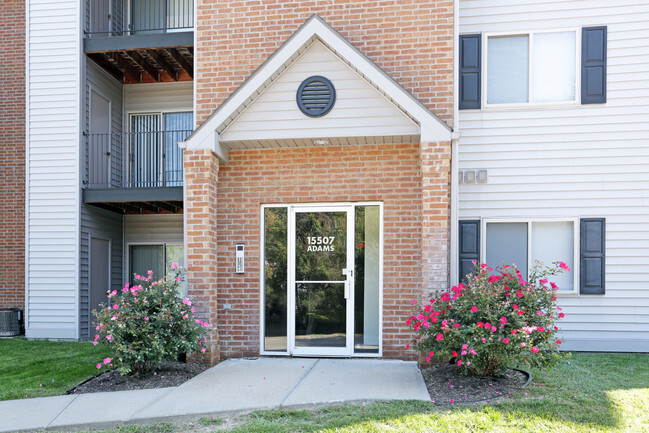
(134, 160)
(130, 17)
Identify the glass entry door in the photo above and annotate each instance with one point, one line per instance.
(321, 280)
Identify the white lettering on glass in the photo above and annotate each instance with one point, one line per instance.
(320, 243)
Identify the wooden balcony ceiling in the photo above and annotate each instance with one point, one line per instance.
(148, 65)
(152, 207)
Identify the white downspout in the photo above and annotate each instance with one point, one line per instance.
(454, 148)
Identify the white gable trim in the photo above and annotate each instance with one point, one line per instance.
(205, 136)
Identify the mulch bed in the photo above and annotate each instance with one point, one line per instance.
(446, 386)
(169, 374)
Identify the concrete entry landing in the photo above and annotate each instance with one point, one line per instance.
(236, 385)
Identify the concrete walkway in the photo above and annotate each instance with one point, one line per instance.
(236, 385)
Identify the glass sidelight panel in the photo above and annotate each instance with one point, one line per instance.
(275, 279)
(320, 258)
(366, 279)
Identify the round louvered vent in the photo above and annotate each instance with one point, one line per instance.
(316, 96)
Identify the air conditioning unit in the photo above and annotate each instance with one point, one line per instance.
(11, 320)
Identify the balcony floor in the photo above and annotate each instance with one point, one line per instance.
(136, 200)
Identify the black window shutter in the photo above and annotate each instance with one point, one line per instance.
(469, 71)
(592, 256)
(593, 65)
(469, 250)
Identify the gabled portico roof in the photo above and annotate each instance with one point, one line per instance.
(208, 134)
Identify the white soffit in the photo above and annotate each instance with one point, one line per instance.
(208, 134)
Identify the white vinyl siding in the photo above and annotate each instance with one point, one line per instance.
(359, 110)
(559, 161)
(154, 228)
(53, 190)
(158, 97)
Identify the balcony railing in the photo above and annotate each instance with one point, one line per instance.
(134, 160)
(105, 18)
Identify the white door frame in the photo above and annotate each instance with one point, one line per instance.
(346, 279)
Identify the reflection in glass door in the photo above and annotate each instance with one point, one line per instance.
(321, 267)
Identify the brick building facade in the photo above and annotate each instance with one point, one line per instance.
(411, 178)
(12, 154)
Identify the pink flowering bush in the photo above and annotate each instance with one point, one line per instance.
(148, 323)
(493, 321)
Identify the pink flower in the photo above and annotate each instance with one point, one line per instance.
(484, 340)
(174, 265)
(408, 346)
(539, 313)
(457, 325)
(543, 281)
(493, 329)
(428, 359)
(413, 302)
(562, 315)
(554, 286)
(523, 344)
(107, 361)
(519, 293)
(125, 289)
(94, 343)
(479, 325)
(193, 310)
(472, 352)
(465, 346)
(464, 352)
(521, 312)
(505, 340)
(459, 362)
(562, 265)
(146, 318)
(474, 309)
(503, 320)
(99, 365)
(203, 350)
(439, 337)
(109, 337)
(468, 363)
(454, 354)
(186, 301)
(115, 307)
(513, 331)
(179, 279)
(559, 341)
(541, 329)
(534, 349)
(431, 354)
(515, 307)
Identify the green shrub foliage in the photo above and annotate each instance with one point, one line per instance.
(492, 321)
(148, 323)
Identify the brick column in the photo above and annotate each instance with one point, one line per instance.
(201, 176)
(435, 161)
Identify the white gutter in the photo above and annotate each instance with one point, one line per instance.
(453, 250)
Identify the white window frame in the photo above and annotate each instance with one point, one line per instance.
(530, 263)
(289, 315)
(530, 34)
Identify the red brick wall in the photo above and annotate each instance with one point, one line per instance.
(388, 173)
(12, 153)
(201, 177)
(411, 40)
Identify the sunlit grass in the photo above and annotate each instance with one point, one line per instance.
(44, 368)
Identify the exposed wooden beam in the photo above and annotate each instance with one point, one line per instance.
(102, 61)
(164, 65)
(180, 59)
(126, 66)
(144, 64)
(148, 206)
(170, 207)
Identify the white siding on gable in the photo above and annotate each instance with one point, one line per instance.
(53, 189)
(574, 161)
(157, 97)
(359, 110)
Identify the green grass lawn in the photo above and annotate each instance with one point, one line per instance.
(43, 368)
(586, 393)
